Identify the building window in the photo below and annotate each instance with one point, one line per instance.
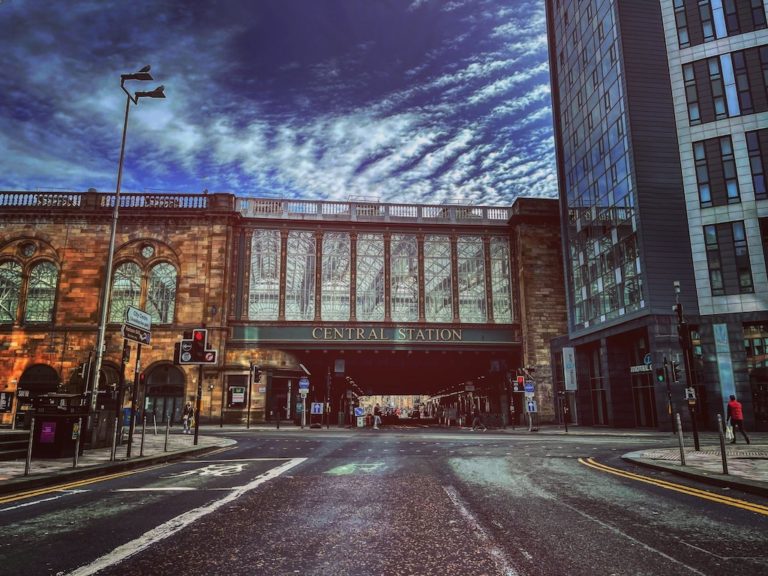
(438, 289)
(758, 13)
(300, 276)
(500, 281)
(682, 24)
(691, 94)
(743, 266)
(702, 173)
(741, 76)
(718, 88)
(764, 239)
(707, 23)
(41, 293)
(126, 290)
(730, 271)
(161, 293)
(757, 162)
(404, 278)
(335, 285)
(729, 169)
(264, 289)
(471, 278)
(10, 291)
(370, 278)
(713, 261)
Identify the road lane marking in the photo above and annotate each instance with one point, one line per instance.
(70, 485)
(178, 523)
(25, 504)
(631, 538)
(501, 560)
(157, 489)
(704, 494)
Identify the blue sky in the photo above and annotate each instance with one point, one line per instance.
(425, 101)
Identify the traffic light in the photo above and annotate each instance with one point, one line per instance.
(256, 373)
(199, 342)
(675, 371)
(660, 378)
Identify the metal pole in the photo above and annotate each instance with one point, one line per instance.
(143, 434)
(167, 430)
(77, 442)
(105, 294)
(685, 340)
(248, 401)
(723, 457)
(303, 410)
(121, 381)
(670, 411)
(327, 395)
(114, 440)
(199, 400)
(223, 396)
(134, 394)
(680, 439)
(154, 422)
(28, 463)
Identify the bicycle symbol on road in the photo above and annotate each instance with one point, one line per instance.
(216, 470)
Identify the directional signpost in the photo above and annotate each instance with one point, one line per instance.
(303, 390)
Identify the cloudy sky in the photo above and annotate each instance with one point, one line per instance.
(402, 100)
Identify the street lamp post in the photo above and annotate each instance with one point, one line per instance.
(141, 75)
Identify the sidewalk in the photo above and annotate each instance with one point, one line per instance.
(50, 471)
(747, 463)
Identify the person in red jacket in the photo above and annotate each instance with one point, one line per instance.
(737, 418)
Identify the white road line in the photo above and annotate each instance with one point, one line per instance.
(175, 524)
(158, 489)
(504, 564)
(33, 502)
(635, 540)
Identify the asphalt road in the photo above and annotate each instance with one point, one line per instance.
(393, 502)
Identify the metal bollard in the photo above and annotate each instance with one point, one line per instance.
(680, 438)
(722, 443)
(77, 442)
(29, 449)
(114, 441)
(143, 435)
(167, 431)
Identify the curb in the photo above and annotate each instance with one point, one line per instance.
(711, 478)
(25, 483)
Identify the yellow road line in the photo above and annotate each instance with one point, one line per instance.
(704, 494)
(71, 485)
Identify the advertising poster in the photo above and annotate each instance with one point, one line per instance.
(47, 432)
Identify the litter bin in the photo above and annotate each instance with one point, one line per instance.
(56, 424)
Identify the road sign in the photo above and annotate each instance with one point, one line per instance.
(359, 411)
(316, 408)
(138, 319)
(531, 406)
(303, 392)
(303, 383)
(529, 386)
(136, 334)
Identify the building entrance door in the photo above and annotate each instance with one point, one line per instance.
(644, 398)
(164, 398)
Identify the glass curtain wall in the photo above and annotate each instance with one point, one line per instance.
(336, 276)
(300, 276)
(471, 278)
(500, 281)
(438, 289)
(264, 293)
(370, 278)
(404, 280)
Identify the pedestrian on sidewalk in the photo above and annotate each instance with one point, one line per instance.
(477, 421)
(376, 416)
(736, 416)
(186, 417)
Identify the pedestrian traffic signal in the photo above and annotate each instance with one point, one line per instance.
(199, 343)
(256, 373)
(660, 378)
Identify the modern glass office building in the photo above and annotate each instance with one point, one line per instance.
(659, 116)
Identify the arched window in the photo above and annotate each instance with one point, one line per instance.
(10, 290)
(126, 290)
(161, 294)
(41, 293)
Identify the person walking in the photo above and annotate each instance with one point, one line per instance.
(376, 416)
(187, 416)
(736, 416)
(477, 421)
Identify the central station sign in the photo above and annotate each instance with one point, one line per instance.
(336, 336)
